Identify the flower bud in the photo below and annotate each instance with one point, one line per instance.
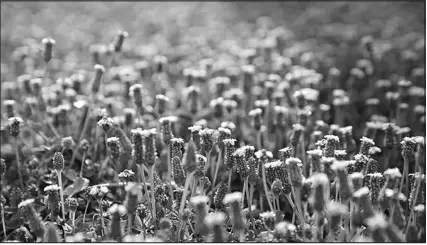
(96, 82)
(166, 129)
(58, 161)
(195, 136)
(126, 175)
(294, 166)
(119, 40)
(178, 173)
(366, 143)
(219, 196)
(331, 145)
(161, 102)
(207, 141)
(48, 47)
(14, 123)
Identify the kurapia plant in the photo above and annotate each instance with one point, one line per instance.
(253, 135)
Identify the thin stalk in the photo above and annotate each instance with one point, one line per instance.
(21, 182)
(3, 223)
(264, 181)
(405, 176)
(61, 192)
(102, 216)
(259, 140)
(304, 157)
(144, 183)
(184, 196)
(297, 195)
(153, 203)
(85, 127)
(245, 192)
(229, 180)
(129, 223)
(168, 162)
(216, 165)
(73, 220)
(417, 190)
(84, 215)
(83, 164)
(250, 198)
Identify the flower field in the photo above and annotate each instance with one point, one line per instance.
(213, 122)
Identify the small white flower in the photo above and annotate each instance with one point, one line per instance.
(26, 203)
(51, 188)
(232, 198)
(196, 200)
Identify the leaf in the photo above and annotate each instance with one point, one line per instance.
(78, 185)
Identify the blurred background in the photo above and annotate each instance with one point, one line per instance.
(78, 24)
(331, 28)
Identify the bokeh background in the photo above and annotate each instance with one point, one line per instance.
(76, 25)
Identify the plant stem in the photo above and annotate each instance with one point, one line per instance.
(73, 220)
(153, 203)
(101, 212)
(21, 182)
(61, 192)
(250, 198)
(216, 165)
(3, 223)
(229, 180)
(184, 196)
(84, 215)
(83, 164)
(129, 224)
(259, 140)
(264, 181)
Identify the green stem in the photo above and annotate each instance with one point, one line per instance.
(61, 192)
(21, 182)
(2, 220)
(101, 212)
(251, 195)
(216, 165)
(83, 164)
(229, 180)
(84, 215)
(264, 181)
(153, 203)
(181, 206)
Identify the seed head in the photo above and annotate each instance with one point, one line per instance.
(408, 147)
(176, 145)
(48, 47)
(106, 123)
(321, 191)
(228, 152)
(201, 163)
(190, 158)
(195, 136)
(127, 175)
(331, 145)
(207, 140)
(166, 129)
(219, 196)
(256, 118)
(119, 40)
(296, 134)
(58, 161)
(366, 143)
(72, 203)
(241, 163)
(14, 123)
(96, 83)
(161, 102)
(285, 153)
(178, 171)
(294, 166)
(114, 144)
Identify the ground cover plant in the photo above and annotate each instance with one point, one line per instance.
(259, 134)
